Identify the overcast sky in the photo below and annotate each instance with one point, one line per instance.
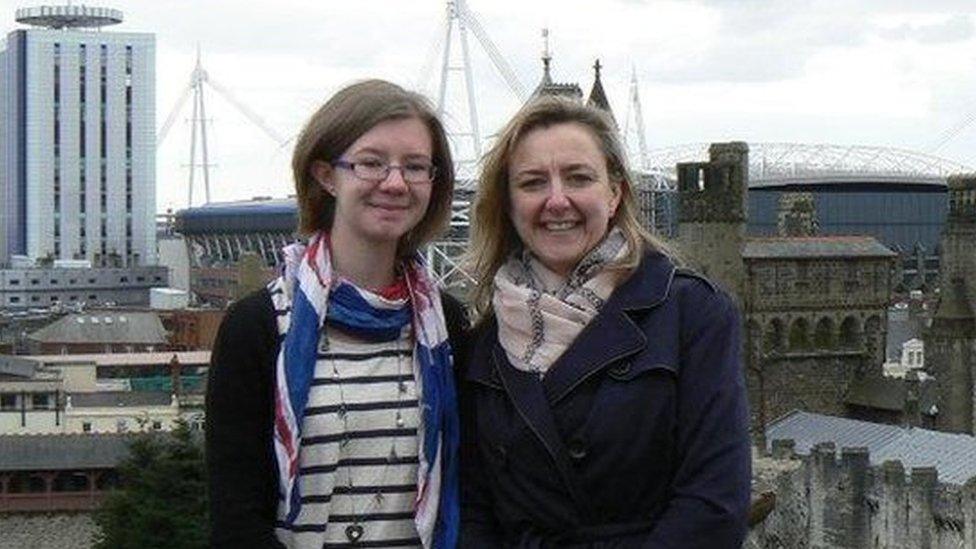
(893, 73)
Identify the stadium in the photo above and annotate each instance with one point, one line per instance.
(894, 195)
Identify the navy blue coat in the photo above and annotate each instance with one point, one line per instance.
(636, 437)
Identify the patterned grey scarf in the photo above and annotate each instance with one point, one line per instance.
(540, 313)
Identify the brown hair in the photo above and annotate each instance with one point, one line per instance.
(494, 237)
(343, 119)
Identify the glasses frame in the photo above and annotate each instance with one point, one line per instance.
(387, 170)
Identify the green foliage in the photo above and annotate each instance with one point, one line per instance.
(162, 502)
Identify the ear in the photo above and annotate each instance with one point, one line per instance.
(616, 190)
(323, 174)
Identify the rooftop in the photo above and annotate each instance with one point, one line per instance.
(61, 452)
(950, 453)
(120, 399)
(104, 327)
(815, 247)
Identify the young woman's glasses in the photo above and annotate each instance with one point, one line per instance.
(375, 171)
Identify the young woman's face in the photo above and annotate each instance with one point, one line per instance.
(374, 211)
(560, 193)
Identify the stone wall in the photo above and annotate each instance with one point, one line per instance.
(824, 501)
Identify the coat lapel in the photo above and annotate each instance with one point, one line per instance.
(528, 397)
(612, 335)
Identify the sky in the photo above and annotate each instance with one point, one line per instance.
(893, 73)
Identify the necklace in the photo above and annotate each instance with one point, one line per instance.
(355, 531)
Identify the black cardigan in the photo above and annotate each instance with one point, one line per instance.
(243, 478)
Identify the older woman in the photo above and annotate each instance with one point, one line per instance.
(331, 408)
(603, 400)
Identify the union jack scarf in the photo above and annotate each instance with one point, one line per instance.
(308, 279)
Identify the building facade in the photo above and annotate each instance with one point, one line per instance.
(77, 144)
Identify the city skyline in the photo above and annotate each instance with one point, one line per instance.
(879, 73)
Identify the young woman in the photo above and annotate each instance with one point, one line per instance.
(603, 403)
(331, 407)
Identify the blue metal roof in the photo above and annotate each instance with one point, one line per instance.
(249, 216)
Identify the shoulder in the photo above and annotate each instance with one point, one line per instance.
(455, 313)
(703, 302)
(689, 297)
(250, 318)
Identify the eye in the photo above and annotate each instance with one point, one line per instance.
(371, 163)
(417, 167)
(530, 184)
(580, 178)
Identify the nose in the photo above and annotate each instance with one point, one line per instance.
(557, 199)
(394, 181)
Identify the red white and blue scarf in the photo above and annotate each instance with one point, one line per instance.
(309, 280)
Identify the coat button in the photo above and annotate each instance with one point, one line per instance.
(620, 370)
(501, 455)
(577, 448)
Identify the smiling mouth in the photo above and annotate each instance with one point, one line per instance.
(558, 226)
(389, 207)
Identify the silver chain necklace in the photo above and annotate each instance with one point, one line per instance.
(356, 531)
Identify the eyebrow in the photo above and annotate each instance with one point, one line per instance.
(386, 154)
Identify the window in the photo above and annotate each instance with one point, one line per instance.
(8, 402)
(35, 281)
(91, 280)
(35, 298)
(41, 401)
(123, 279)
(86, 426)
(14, 299)
(15, 282)
(157, 425)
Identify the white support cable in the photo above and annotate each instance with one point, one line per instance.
(252, 116)
(469, 87)
(173, 114)
(504, 69)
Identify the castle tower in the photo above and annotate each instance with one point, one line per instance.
(712, 214)
(950, 342)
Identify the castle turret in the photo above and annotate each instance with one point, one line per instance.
(712, 213)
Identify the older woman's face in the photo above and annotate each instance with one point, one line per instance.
(560, 193)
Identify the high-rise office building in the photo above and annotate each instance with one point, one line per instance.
(77, 143)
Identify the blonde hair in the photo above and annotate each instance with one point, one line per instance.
(494, 238)
(344, 118)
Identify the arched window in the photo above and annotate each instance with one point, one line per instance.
(850, 333)
(800, 335)
(773, 338)
(823, 335)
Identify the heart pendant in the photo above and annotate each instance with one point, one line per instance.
(354, 532)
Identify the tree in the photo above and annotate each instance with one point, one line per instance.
(162, 502)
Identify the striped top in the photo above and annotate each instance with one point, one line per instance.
(358, 465)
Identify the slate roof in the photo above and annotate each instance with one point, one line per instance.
(104, 327)
(60, 452)
(889, 393)
(119, 399)
(814, 247)
(952, 454)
